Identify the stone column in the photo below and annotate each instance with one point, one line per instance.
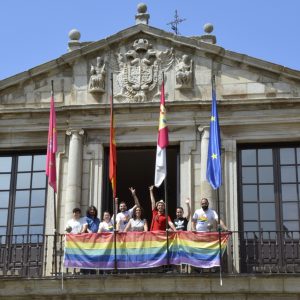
(73, 194)
(205, 188)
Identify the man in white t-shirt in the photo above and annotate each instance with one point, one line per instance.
(123, 217)
(75, 224)
(206, 219)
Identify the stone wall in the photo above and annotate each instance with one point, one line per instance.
(121, 287)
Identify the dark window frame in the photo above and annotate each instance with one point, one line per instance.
(11, 208)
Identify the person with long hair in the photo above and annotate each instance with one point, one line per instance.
(137, 223)
(91, 221)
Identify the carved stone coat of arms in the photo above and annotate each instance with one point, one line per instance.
(140, 71)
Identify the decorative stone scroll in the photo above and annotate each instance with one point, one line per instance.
(184, 72)
(140, 71)
(98, 77)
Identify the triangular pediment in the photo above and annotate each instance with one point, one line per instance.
(138, 57)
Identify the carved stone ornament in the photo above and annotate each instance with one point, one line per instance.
(184, 72)
(140, 71)
(98, 77)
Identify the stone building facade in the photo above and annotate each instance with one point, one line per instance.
(259, 115)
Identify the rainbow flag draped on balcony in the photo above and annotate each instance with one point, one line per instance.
(143, 249)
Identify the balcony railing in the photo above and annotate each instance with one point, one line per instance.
(251, 252)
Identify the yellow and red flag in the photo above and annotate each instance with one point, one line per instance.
(52, 146)
(162, 142)
(112, 152)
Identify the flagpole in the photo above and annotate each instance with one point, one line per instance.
(115, 200)
(213, 82)
(54, 207)
(219, 231)
(166, 200)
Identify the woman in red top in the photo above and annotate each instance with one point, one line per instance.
(158, 214)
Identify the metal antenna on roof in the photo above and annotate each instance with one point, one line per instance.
(174, 24)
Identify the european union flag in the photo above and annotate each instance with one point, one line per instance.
(214, 167)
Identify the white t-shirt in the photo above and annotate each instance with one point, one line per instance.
(137, 225)
(123, 218)
(76, 225)
(106, 227)
(206, 220)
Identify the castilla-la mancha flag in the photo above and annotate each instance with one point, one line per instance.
(162, 142)
(112, 152)
(52, 146)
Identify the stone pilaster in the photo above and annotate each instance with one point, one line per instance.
(73, 194)
(205, 187)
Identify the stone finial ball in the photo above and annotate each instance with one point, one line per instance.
(74, 35)
(142, 8)
(208, 27)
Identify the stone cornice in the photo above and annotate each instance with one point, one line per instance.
(213, 50)
(172, 106)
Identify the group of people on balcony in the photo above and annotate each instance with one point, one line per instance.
(204, 219)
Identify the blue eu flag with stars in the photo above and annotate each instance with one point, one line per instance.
(214, 169)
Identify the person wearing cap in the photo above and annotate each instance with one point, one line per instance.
(158, 214)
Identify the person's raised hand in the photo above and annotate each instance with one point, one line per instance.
(132, 190)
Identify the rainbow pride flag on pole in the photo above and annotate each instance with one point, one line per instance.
(143, 249)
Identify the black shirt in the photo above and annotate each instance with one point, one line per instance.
(181, 223)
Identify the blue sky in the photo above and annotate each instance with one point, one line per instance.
(33, 32)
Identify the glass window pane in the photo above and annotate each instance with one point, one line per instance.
(288, 174)
(37, 215)
(22, 198)
(249, 175)
(3, 217)
(266, 193)
(23, 180)
(267, 226)
(287, 156)
(20, 235)
(269, 230)
(265, 174)
(4, 198)
(250, 226)
(4, 181)
(267, 211)
(39, 162)
(250, 211)
(20, 230)
(298, 155)
(2, 235)
(21, 216)
(36, 229)
(291, 226)
(5, 163)
(250, 193)
(248, 157)
(265, 157)
(289, 192)
(24, 163)
(38, 198)
(38, 180)
(290, 211)
(36, 234)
